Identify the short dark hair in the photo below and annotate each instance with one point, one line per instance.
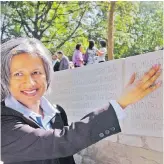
(78, 46)
(102, 43)
(60, 52)
(91, 44)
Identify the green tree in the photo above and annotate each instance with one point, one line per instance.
(61, 25)
(148, 28)
(54, 23)
(139, 30)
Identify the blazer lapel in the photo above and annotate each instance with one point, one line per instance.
(56, 122)
(5, 111)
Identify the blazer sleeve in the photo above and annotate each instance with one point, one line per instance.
(66, 63)
(21, 142)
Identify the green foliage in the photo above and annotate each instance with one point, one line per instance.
(61, 25)
(139, 29)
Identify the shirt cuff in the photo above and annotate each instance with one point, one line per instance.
(119, 111)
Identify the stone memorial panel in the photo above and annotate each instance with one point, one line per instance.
(144, 118)
(82, 90)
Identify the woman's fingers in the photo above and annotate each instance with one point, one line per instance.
(150, 73)
(151, 89)
(151, 81)
(142, 88)
(132, 78)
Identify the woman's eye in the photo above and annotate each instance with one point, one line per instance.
(18, 74)
(36, 73)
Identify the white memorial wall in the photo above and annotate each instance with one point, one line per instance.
(146, 116)
(83, 90)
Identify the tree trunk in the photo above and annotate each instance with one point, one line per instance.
(111, 30)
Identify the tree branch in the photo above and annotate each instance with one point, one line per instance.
(27, 33)
(79, 22)
(50, 21)
(49, 4)
(24, 22)
(3, 27)
(35, 22)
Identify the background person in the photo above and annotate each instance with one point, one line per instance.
(33, 130)
(102, 51)
(64, 61)
(78, 56)
(91, 53)
(71, 65)
(55, 63)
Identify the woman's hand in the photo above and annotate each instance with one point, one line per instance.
(135, 91)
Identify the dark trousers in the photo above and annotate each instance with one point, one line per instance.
(101, 61)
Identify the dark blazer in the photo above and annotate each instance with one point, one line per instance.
(25, 142)
(70, 159)
(56, 66)
(64, 63)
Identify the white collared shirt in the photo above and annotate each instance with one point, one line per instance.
(48, 110)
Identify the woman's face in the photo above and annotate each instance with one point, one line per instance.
(28, 79)
(81, 49)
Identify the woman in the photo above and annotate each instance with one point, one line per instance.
(91, 53)
(78, 56)
(33, 131)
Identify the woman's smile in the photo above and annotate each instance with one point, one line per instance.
(30, 93)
